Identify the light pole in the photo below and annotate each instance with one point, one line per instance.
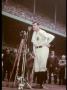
(55, 15)
(34, 7)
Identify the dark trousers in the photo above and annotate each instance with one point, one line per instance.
(51, 70)
(4, 74)
(34, 76)
(61, 76)
(41, 77)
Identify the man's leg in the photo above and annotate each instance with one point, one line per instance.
(4, 72)
(55, 78)
(34, 76)
(59, 78)
(49, 80)
(40, 78)
(45, 77)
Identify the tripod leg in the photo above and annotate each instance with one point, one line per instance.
(29, 85)
(17, 68)
(13, 67)
(18, 58)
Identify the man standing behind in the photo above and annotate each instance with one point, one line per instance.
(41, 42)
(52, 65)
(62, 66)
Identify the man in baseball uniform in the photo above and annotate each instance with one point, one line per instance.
(41, 42)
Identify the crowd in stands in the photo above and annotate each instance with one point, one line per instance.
(25, 13)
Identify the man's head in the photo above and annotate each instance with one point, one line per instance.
(63, 57)
(52, 52)
(35, 26)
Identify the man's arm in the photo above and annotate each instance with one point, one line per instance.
(49, 37)
(34, 43)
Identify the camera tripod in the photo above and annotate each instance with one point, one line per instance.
(21, 80)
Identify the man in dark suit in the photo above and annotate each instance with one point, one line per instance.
(6, 65)
(52, 65)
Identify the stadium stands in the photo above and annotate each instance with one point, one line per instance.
(25, 13)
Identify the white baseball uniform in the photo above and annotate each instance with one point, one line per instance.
(40, 41)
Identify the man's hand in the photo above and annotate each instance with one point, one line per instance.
(33, 54)
(48, 45)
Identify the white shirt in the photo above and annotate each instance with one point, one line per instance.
(41, 38)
